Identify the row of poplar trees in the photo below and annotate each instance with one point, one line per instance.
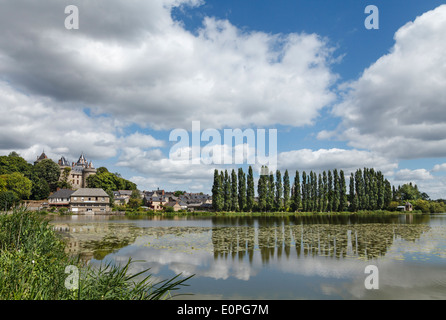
(310, 192)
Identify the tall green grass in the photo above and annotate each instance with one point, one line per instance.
(33, 262)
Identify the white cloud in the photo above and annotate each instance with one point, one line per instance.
(140, 140)
(329, 159)
(439, 167)
(413, 175)
(31, 123)
(131, 60)
(397, 106)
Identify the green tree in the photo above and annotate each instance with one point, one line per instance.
(50, 171)
(271, 189)
(250, 190)
(109, 181)
(262, 191)
(279, 191)
(342, 192)
(330, 192)
(359, 185)
(241, 190)
(17, 183)
(135, 200)
(64, 182)
(336, 191)
(304, 192)
(40, 189)
(234, 190)
(15, 163)
(408, 192)
(381, 186)
(286, 191)
(8, 199)
(320, 193)
(352, 194)
(217, 192)
(387, 193)
(310, 192)
(296, 195)
(325, 192)
(227, 191)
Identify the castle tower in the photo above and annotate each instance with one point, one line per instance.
(41, 157)
(88, 171)
(80, 171)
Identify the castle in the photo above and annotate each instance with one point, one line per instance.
(79, 172)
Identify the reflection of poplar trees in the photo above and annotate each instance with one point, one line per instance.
(366, 241)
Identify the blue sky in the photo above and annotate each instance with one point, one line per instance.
(340, 95)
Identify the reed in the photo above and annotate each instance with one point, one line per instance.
(33, 262)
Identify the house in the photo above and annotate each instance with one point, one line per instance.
(60, 198)
(407, 207)
(122, 197)
(155, 202)
(175, 205)
(90, 201)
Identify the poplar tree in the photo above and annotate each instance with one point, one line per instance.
(330, 192)
(373, 190)
(342, 192)
(325, 192)
(242, 194)
(381, 191)
(353, 198)
(387, 193)
(336, 191)
(227, 191)
(286, 190)
(234, 194)
(320, 193)
(271, 189)
(279, 191)
(250, 190)
(296, 196)
(359, 185)
(217, 192)
(304, 192)
(262, 191)
(315, 192)
(366, 196)
(310, 190)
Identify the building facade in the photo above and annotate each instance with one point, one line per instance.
(60, 198)
(90, 201)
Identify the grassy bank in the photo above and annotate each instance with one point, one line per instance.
(33, 266)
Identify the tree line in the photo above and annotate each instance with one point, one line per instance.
(309, 192)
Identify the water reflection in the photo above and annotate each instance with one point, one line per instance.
(240, 237)
(366, 241)
(274, 257)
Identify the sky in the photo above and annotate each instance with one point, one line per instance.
(135, 75)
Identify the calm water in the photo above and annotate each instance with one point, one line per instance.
(275, 258)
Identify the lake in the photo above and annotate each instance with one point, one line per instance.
(280, 258)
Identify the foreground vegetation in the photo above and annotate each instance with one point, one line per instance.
(33, 266)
